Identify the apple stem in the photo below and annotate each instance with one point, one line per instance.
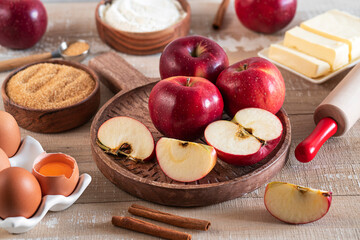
(197, 51)
(188, 82)
(242, 68)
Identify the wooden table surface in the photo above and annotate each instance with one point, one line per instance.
(336, 168)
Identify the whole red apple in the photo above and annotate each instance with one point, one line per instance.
(181, 107)
(193, 56)
(265, 16)
(253, 82)
(22, 23)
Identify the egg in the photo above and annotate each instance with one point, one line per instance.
(20, 193)
(4, 160)
(9, 134)
(57, 173)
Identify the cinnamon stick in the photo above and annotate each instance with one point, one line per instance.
(149, 228)
(220, 14)
(175, 220)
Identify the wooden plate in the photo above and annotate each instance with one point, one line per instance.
(147, 181)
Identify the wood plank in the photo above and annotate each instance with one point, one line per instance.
(236, 219)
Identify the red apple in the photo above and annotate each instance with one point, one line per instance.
(265, 16)
(22, 23)
(296, 204)
(181, 107)
(247, 139)
(253, 82)
(193, 56)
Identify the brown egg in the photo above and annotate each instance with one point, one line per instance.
(57, 173)
(9, 134)
(20, 193)
(4, 160)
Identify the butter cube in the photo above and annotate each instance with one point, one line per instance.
(338, 26)
(333, 52)
(298, 61)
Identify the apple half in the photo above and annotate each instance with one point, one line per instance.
(185, 161)
(296, 204)
(126, 136)
(248, 138)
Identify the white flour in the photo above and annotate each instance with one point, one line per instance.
(141, 15)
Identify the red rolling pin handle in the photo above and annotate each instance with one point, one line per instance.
(307, 149)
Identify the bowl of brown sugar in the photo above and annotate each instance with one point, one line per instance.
(51, 96)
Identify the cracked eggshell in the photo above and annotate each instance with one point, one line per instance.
(56, 185)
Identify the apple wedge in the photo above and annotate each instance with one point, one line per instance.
(185, 161)
(126, 136)
(248, 138)
(296, 204)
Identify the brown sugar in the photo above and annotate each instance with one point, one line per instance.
(49, 86)
(76, 48)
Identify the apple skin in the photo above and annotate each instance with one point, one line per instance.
(22, 23)
(329, 199)
(247, 160)
(181, 107)
(265, 16)
(253, 82)
(193, 56)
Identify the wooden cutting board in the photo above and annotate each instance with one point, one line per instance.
(146, 180)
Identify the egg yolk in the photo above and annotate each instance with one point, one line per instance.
(56, 169)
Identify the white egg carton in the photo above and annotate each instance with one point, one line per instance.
(29, 149)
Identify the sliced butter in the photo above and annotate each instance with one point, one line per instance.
(338, 26)
(333, 52)
(298, 61)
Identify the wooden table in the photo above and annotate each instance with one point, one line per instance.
(336, 168)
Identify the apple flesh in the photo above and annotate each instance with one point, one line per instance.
(247, 139)
(265, 16)
(296, 204)
(193, 56)
(22, 23)
(126, 136)
(185, 161)
(181, 107)
(253, 82)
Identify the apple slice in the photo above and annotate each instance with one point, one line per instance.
(295, 204)
(185, 161)
(126, 136)
(248, 138)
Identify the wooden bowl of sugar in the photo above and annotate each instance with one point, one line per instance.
(51, 96)
(145, 34)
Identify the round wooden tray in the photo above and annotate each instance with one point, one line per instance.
(147, 181)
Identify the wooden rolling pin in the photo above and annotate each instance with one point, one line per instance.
(334, 116)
